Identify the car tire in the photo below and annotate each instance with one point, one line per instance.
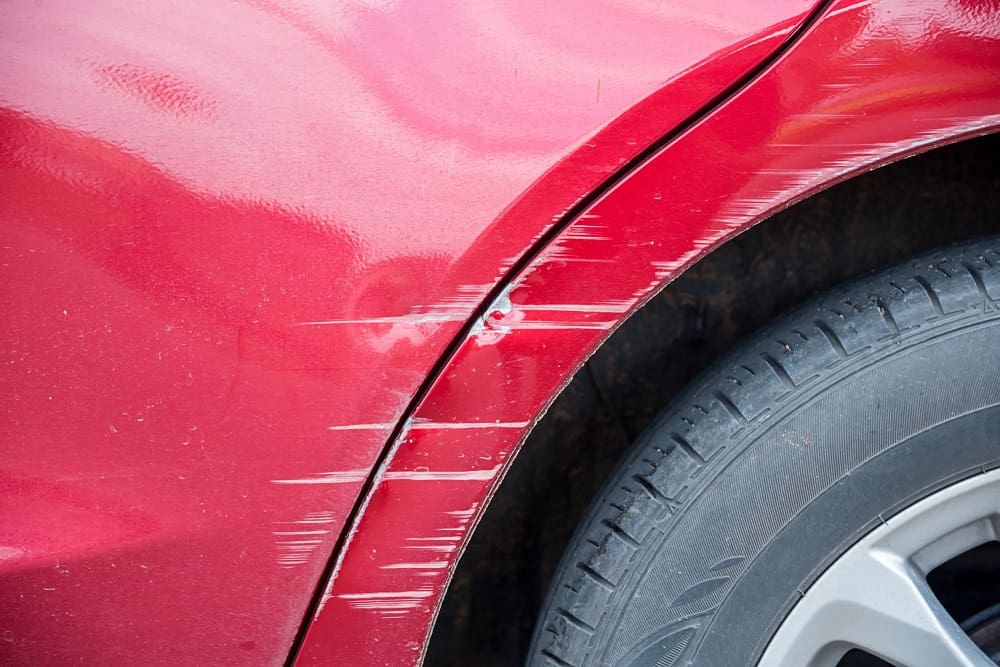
(774, 462)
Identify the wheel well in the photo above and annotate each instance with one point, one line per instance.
(947, 195)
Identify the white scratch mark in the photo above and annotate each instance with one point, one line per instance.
(502, 304)
(483, 326)
(849, 8)
(362, 427)
(390, 603)
(461, 305)
(296, 552)
(448, 538)
(586, 260)
(579, 232)
(430, 565)
(668, 268)
(607, 307)
(354, 476)
(432, 475)
(423, 593)
(793, 181)
(317, 517)
(335, 477)
(464, 514)
(555, 326)
(436, 548)
(428, 318)
(420, 425)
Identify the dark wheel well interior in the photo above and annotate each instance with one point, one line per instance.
(944, 196)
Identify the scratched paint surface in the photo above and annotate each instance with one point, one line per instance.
(873, 80)
(235, 238)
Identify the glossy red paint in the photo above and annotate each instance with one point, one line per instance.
(236, 237)
(871, 81)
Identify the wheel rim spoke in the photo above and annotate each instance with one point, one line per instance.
(876, 598)
(888, 610)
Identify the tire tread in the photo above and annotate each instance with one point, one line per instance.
(730, 401)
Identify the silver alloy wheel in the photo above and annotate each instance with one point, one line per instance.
(876, 598)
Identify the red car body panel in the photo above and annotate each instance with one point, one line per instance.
(235, 234)
(238, 239)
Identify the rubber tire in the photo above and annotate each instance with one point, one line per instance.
(776, 460)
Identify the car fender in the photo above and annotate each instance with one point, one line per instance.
(865, 84)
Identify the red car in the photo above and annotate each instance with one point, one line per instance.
(297, 294)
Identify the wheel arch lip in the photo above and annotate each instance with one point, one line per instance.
(856, 92)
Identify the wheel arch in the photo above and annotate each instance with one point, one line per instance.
(868, 222)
